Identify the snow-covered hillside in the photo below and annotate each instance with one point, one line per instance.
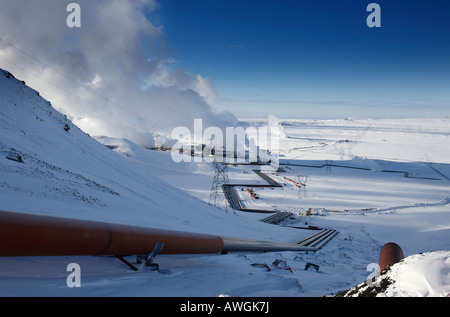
(419, 275)
(49, 166)
(70, 174)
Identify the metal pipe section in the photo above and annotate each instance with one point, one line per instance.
(24, 234)
(249, 245)
(390, 254)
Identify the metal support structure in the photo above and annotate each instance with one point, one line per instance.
(217, 196)
(150, 257)
(127, 263)
(302, 179)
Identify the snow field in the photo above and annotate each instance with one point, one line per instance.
(70, 174)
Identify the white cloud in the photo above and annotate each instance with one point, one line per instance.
(106, 80)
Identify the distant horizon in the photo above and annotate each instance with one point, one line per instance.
(262, 118)
(344, 119)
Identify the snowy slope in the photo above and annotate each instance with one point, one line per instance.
(71, 174)
(419, 275)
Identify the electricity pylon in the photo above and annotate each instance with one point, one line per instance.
(217, 196)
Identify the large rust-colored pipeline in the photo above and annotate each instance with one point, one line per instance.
(23, 234)
(390, 254)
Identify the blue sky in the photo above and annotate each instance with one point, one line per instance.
(315, 59)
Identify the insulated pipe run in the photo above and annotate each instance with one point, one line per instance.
(390, 254)
(24, 234)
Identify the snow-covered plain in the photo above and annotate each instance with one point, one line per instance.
(375, 181)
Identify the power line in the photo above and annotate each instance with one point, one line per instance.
(217, 195)
(43, 63)
(67, 77)
(61, 73)
(69, 92)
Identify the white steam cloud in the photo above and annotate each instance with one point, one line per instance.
(113, 76)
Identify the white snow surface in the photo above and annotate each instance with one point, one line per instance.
(388, 180)
(421, 275)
